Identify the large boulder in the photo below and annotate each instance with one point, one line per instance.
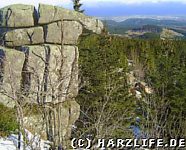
(18, 15)
(48, 14)
(68, 31)
(25, 36)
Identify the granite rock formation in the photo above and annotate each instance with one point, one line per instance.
(39, 63)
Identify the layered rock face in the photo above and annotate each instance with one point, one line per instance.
(39, 61)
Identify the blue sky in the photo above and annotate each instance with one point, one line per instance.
(148, 8)
(117, 7)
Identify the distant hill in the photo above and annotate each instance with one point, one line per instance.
(140, 26)
(148, 28)
(138, 22)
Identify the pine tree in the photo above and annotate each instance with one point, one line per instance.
(103, 96)
(77, 6)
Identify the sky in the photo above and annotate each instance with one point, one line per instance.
(116, 7)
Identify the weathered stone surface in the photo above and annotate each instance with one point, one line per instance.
(46, 18)
(68, 108)
(92, 24)
(12, 75)
(35, 124)
(74, 112)
(68, 31)
(70, 111)
(26, 36)
(70, 67)
(66, 70)
(48, 14)
(74, 82)
(18, 15)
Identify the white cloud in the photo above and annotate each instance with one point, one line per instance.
(133, 1)
(65, 3)
(68, 3)
(101, 3)
(89, 2)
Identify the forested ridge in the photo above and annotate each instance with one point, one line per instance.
(146, 28)
(128, 88)
(109, 107)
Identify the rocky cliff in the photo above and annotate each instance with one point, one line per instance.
(39, 62)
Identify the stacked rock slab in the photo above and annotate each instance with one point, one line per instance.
(40, 60)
